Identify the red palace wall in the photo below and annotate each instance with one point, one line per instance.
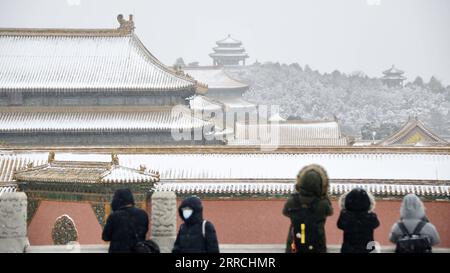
(236, 221)
(40, 228)
(261, 222)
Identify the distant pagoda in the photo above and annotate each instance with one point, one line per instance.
(228, 51)
(393, 77)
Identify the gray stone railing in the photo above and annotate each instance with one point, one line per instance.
(13, 222)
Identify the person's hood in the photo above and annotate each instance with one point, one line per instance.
(122, 198)
(412, 207)
(196, 205)
(312, 180)
(357, 200)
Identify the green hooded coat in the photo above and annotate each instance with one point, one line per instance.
(312, 184)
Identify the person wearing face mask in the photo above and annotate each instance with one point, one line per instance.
(195, 235)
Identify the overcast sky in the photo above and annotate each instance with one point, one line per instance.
(348, 35)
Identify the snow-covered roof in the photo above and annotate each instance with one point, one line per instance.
(414, 132)
(220, 54)
(288, 188)
(288, 141)
(237, 104)
(82, 59)
(393, 70)
(84, 172)
(90, 119)
(202, 103)
(276, 117)
(215, 78)
(290, 133)
(393, 77)
(229, 41)
(383, 166)
(230, 49)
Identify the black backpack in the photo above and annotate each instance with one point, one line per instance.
(304, 228)
(415, 242)
(146, 246)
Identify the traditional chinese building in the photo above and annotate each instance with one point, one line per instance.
(414, 133)
(82, 190)
(393, 77)
(228, 51)
(102, 93)
(282, 132)
(223, 100)
(71, 87)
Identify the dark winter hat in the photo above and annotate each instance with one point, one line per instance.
(312, 180)
(357, 200)
(122, 198)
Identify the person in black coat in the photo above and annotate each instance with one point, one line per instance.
(126, 225)
(357, 221)
(195, 234)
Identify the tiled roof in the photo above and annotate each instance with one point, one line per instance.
(290, 133)
(228, 54)
(413, 126)
(289, 142)
(229, 41)
(230, 49)
(202, 103)
(92, 120)
(84, 172)
(288, 188)
(240, 104)
(85, 60)
(393, 70)
(382, 167)
(393, 77)
(215, 78)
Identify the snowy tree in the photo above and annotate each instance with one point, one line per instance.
(418, 81)
(64, 230)
(179, 62)
(356, 99)
(435, 84)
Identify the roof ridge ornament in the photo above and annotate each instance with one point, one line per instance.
(51, 157)
(124, 25)
(114, 159)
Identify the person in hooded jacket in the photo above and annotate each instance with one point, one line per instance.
(357, 221)
(311, 187)
(412, 212)
(127, 225)
(195, 235)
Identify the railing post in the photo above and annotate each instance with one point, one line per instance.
(13, 222)
(164, 220)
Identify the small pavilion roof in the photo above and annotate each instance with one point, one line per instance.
(85, 172)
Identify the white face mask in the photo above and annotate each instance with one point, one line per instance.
(187, 213)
